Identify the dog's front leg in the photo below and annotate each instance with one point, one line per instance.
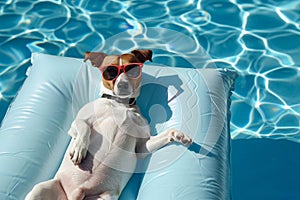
(80, 132)
(148, 146)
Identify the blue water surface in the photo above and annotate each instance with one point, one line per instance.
(258, 38)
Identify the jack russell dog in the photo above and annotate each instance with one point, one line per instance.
(108, 135)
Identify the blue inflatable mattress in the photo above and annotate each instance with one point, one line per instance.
(33, 134)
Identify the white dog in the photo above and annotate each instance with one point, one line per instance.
(108, 135)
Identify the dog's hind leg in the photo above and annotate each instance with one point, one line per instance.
(108, 196)
(47, 190)
(80, 193)
(104, 196)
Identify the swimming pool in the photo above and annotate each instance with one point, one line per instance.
(258, 38)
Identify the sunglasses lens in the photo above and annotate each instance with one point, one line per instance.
(133, 71)
(110, 72)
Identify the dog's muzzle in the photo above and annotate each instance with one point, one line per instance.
(122, 86)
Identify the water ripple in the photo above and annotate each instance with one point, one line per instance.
(260, 39)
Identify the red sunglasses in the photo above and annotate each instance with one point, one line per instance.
(111, 72)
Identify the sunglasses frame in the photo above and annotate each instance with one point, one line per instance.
(121, 67)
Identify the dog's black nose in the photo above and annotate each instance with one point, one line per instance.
(122, 85)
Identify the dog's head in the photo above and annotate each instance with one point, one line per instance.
(121, 74)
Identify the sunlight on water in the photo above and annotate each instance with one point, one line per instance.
(259, 39)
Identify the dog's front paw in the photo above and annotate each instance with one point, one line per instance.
(178, 136)
(78, 150)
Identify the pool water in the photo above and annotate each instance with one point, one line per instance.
(258, 38)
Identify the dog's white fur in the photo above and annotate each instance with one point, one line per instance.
(107, 138)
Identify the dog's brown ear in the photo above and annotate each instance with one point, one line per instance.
(96, 58)
(143, 55)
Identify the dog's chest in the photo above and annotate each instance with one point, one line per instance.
(114, 118)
